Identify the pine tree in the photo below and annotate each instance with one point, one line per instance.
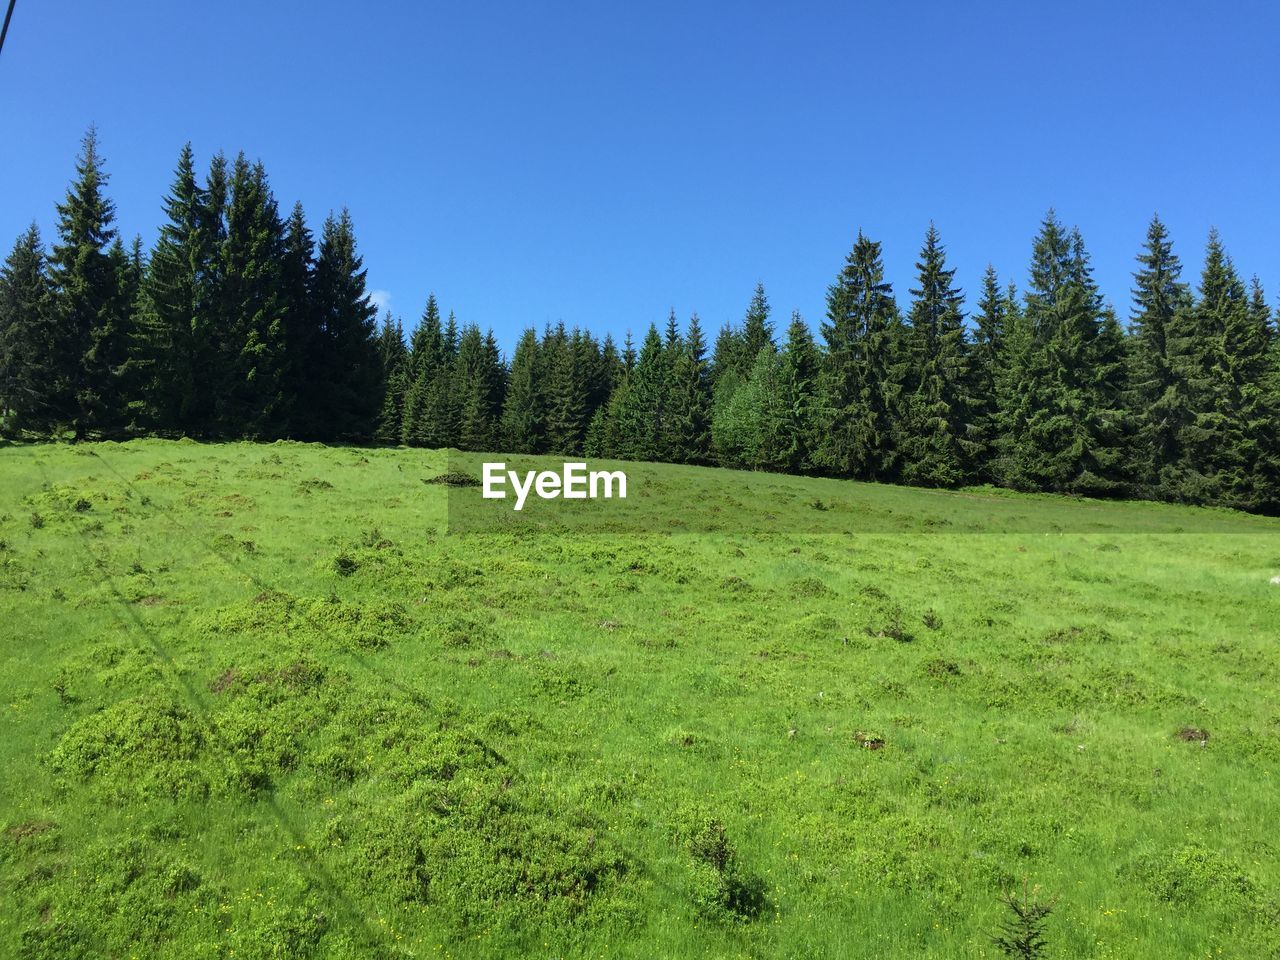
(1074, 435)
(640, 411)
(612, 370)
(252, 381)
(211, 320)
(1161, 302)
(425, 421)
(480, 383)
(1013, 363)
(92, 339)
(938, 443)
(173, 328)
(749, 428)
(984, 363)
(566, 391)
(393, 356)
(303, 333)
(27, 380)
(1224, 355)
(757, 332)
(865, 369)
(672, 339)
(798, 380)
(348, 363)
(524, 412)
(724, 355)
(688, 419)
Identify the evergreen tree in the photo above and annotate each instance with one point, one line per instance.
(749, 427)
(640, 412)
(393, 355)
(303, 334)
(27, 380)
(629, 357)
(1073, 440)
(524, 412)
(688, 420)
(938, 443)
(93, 336)
(1013, 363)
(567, 367)
(1161, 302)
(1223, 355)
(611, 371)
(348, 363)
(724, 355)
(481, 384)
(984, 363)
(757, 332)
(672, 340)
(865, 369)
(799, 383)
(252, 376)
(426, 418)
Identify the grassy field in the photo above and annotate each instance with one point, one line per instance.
(259, 702)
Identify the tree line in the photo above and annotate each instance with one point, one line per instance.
(238, 324)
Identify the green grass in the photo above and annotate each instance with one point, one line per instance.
(258, 702)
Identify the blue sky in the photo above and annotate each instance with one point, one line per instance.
(602, 163)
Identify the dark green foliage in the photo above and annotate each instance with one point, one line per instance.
(480, 381)
(1072, 438)
(864, 371)
(393, 355)
(688, 421)
(1223, 352)
(1161, 302)
(26, 339)
(237, 326)
(724, 356)
(523, 414)
(348, 362)
(939, 441)
(174, 317)
(757, 331)
(985, 360)
(430, 416)
(567, 360)
(302, 326)
(641, 408)
(251, 375)
(91, 321)
(800, 407)
(722, 889)
(1022, 931)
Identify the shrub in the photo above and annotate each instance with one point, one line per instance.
(721, 888)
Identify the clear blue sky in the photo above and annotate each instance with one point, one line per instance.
(601, 163)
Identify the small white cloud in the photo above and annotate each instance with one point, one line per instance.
(380, 299)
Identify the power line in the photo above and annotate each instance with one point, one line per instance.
(4, 31)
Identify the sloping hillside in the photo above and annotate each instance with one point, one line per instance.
(258, 699)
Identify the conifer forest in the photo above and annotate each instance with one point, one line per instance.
(243, 322)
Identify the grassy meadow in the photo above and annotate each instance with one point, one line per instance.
(259, 702)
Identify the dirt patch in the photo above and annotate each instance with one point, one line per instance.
(226, 679)
(1193, 735)
(25, 831)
